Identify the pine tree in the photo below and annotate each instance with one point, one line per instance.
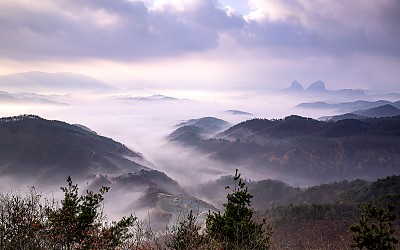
(235, 228)
(78, 223)
(375, 230)
(186, 236)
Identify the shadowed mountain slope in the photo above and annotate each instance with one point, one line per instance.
(44, 152)
(297, 148)
(51, 150)
(386, 110)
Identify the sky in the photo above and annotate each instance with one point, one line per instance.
(206, 44)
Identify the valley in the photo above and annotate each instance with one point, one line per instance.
(164, 155)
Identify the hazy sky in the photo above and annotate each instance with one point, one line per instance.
(206, 43)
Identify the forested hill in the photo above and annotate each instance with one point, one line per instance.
(268, 194)
(272, 193)
(319, 217)
(303, 148)
(51, 150)
(298, 127)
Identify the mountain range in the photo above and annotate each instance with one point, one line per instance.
(298, 148)
(27, 98)
(48, 151)
(310, 176)
(292, 148)
(348, 106)
(151, 98)
(318, 87)
(238, 112)
(40, 81)
(40, 152)
(386, 110)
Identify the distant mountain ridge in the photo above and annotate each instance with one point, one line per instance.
(151, 98)
(41, 81)
(210, 123)
(319, 87)
(27, 98)
(237, 112)
(386, 110)
(204, 127)
(295, 87)
(348, 106)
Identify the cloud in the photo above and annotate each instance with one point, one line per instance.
(267, 45)
(329, 27)
(133, 30)
(117, 29)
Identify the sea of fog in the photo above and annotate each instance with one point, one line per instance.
(143, 124)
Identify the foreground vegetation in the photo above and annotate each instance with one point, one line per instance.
(77, 222)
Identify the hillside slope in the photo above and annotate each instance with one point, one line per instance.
(317, 217)
(297, 148)
(51, 150)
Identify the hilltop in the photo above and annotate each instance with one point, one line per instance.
(296, 148)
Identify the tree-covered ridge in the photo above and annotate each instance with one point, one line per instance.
(298, 147)
(315, 217)
(34, 147)
(272, 193)
(321, 216)
(297, 126)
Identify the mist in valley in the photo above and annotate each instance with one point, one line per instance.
(142, 119)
